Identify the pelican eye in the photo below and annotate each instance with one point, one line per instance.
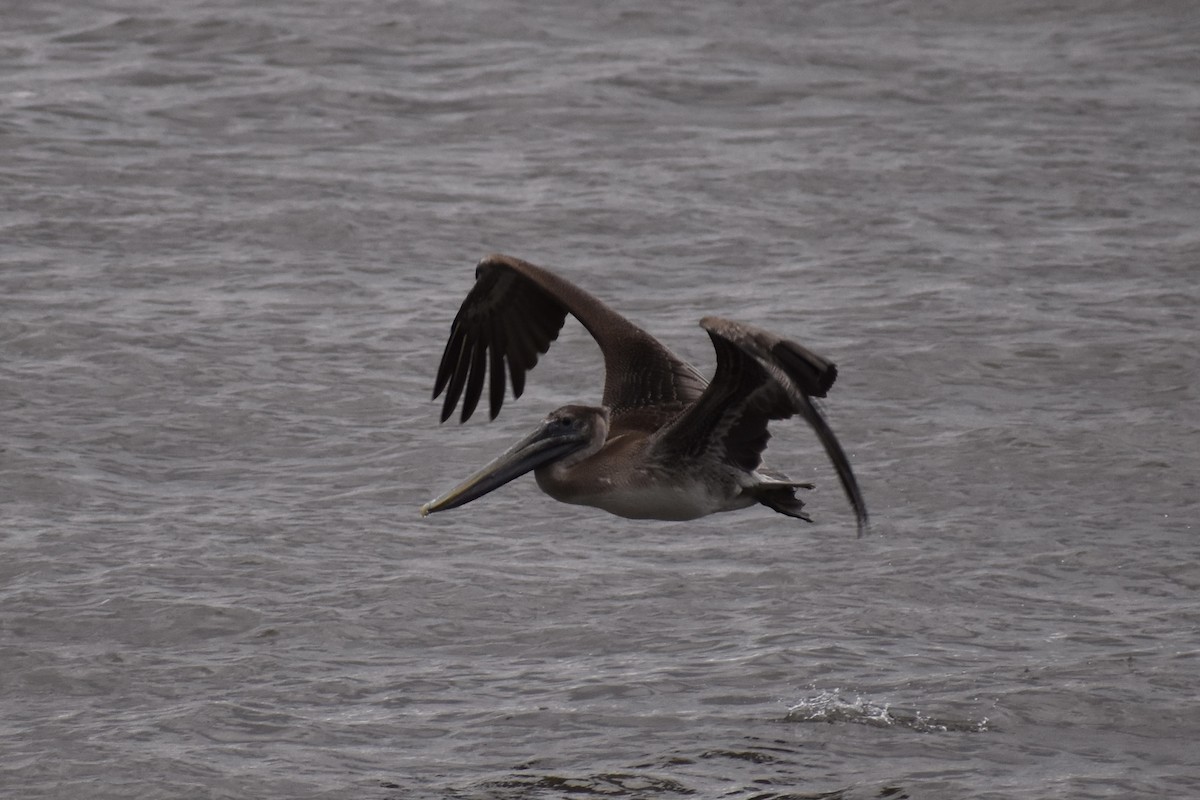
(565, 422)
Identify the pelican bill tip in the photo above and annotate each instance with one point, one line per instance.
(425, 510)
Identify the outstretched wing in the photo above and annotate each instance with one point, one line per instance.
(512, 314)
(759, 377)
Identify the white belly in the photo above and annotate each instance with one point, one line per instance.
(672, 501)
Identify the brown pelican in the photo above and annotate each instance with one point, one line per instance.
(664, 443)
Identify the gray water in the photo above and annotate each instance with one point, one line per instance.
(232, 240)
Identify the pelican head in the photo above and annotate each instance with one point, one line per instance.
(566, 435)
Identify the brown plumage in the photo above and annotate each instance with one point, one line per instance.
(665, 443)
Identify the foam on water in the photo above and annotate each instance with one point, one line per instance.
(831, 706)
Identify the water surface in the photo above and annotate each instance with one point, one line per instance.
(234, 239)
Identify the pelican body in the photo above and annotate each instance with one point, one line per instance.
(664, 443)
